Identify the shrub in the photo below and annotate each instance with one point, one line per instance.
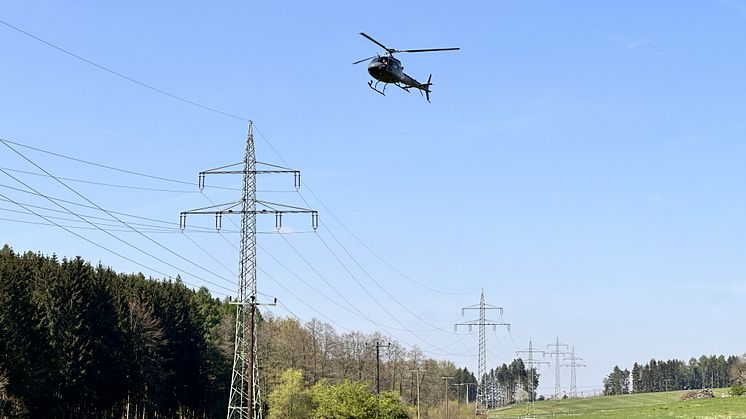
(737, 390)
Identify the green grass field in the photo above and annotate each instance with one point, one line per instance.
(647, 405)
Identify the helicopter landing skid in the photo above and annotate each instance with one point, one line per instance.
(374, 87)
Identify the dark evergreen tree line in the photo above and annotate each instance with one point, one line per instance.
(511, 383)
(79, 341)
(674, 374)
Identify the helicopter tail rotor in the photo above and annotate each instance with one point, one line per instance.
(426, 87)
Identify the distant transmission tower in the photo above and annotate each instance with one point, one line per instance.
(244, 398)
(481, 408)
(557, 352)
(573, 364)
(531, 363)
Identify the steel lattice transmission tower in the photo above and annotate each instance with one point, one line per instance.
(481, 408)
(573, 364)
(532, 364)
(244, 398)
(557, 352)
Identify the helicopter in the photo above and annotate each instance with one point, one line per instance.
(389, 70)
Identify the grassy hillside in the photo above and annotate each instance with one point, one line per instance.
(647, 405)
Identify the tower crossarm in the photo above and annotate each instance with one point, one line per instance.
(571, 357)
(227, 170)
(530, 351)
(477, 307)
(232, 208)
(574, 365)
(470, 324)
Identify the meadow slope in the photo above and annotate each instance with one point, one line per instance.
(646, 405)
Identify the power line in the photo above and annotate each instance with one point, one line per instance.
(331, 300)
(104, 166)
(103, 210)
(128, 78)
(500, 343)
(349, 272)
(55, 200)
(214, 110)
(150, 226)
(379, 257)
(302, 301)
(435, 327)
(343, 265)
(279, 283)
(111, 185)
(78, 227)
(118, 74)
(292, 273)
(172, 180)
(269, 143)
(284, 307)
(108, 233)
(230, 271)
(102, 246)
(356, 311)
(122, 230)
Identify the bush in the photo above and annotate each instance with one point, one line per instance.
(290, 399)
(347, 399)
(737, 390)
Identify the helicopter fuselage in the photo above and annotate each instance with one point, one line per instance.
(390, 70)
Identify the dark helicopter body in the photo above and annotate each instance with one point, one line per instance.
(386, 69)
(389, 70)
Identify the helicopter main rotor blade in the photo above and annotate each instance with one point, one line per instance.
(364, 59)
(428, 50)
(375, 42)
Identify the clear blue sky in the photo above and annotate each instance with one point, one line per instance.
(582, 161)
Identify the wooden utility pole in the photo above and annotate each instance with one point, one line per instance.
(378, 376)
(446, 378)
(417, 372)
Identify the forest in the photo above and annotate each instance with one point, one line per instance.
(81, 341)
(84, 341)
(674, 374)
